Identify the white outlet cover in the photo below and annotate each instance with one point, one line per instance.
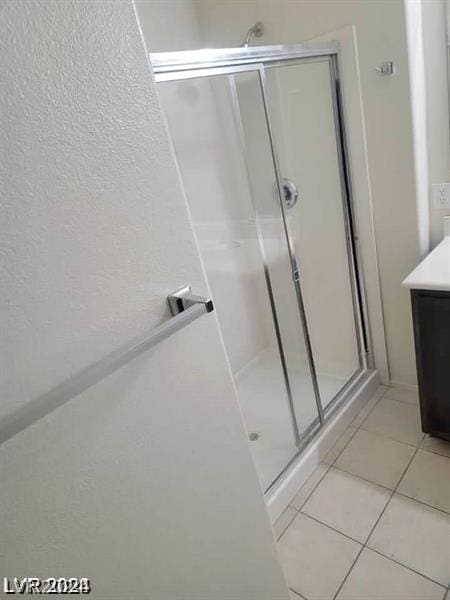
(441, 196)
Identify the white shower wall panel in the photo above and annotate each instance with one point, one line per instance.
(236, 278)
(203, 132)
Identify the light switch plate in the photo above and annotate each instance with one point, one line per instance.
(441, 196)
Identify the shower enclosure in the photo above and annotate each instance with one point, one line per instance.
(260, 143)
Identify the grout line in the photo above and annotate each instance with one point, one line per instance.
(299, 595)
(392, 438)
(375, 524)
(386, 437)
(355, 427)
(314, 488)
(383, 397)
(349, 571)
(415, 403)
(394, 490)
(332, 528)
(345, 445)
(406, 567)
(290, 521)
(442, 510)
(406, 468)
(364, 546)
(432, 451)
(392, 493)
(363, 479)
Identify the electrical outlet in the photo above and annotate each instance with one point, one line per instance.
(441, 196)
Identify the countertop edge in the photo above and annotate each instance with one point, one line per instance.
(433, 272)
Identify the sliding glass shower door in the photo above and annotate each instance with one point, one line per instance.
(260, 147)
(304, 123)
(219, 130)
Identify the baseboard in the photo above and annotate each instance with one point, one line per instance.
(404, 386)
(280, 496)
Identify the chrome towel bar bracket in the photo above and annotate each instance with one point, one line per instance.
(183, 299)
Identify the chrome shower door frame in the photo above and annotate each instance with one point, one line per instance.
(172, 66)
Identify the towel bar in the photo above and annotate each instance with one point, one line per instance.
(185, 306)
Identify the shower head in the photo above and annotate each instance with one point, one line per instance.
(256, 31)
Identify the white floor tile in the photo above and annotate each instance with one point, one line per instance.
(434, 444)
(375, 577)
(416, 536)
(283, 521)
(308, 487)
(376, 458)
(402, 395)
(397, 420)
(331, 456)
(347, 503)
(428, 480)
(315, 558)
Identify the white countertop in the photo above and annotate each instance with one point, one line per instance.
(433, 273)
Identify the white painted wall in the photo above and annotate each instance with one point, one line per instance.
(144, 483)
(169, 24)
(437, 105)
(381, 34)
(417, 78)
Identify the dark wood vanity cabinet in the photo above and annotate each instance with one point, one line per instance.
(431, 317)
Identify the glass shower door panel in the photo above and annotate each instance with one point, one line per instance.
(207, 139)
(262, 178)
(303, 122)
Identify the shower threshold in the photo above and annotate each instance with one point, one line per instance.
(319, 440)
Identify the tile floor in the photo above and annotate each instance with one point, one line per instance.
(373, 521)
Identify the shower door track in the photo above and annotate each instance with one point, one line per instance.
(173, 66)
(189, 63)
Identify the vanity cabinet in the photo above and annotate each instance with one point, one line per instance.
(431, 318)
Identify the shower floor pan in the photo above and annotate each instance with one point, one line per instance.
(262, 396)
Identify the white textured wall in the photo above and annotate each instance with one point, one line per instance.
(144, 482)
(381, 33)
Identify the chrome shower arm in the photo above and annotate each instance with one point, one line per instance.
(256, 31)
